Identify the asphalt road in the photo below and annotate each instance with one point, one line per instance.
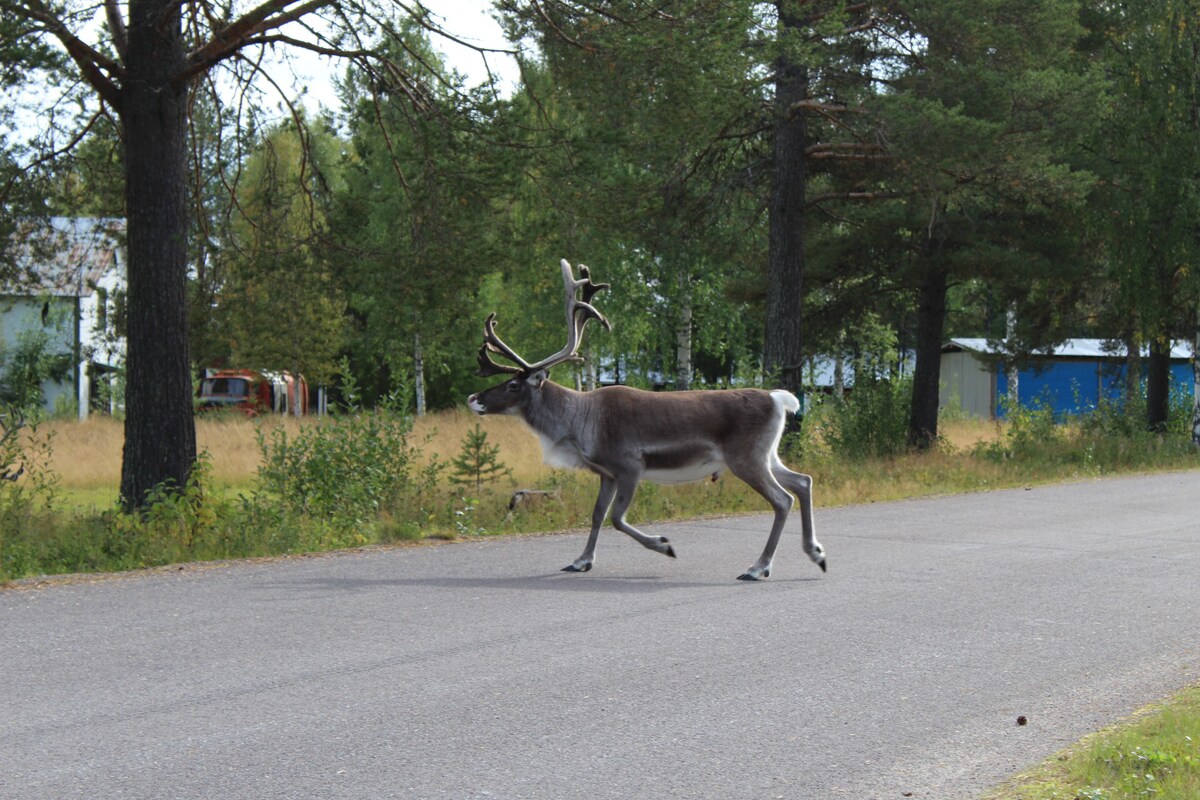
(479, 670)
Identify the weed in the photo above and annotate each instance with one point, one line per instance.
(285, 485)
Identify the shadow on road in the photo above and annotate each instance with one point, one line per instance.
(552, 582)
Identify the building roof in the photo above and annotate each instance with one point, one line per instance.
(65, 256)
(1071, 348)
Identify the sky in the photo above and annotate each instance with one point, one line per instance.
(469, 20)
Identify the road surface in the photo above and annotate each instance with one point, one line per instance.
(478, 670)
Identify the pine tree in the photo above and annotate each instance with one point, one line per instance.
(478, 462)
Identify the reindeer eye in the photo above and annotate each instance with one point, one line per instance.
(514, 386)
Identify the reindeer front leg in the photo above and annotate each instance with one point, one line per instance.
(626, 486)
(608, 488)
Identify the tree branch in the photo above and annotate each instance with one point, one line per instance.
(116, 26)
(52, 155)
(868, 196)
(833, 149)
(92, 63)
(236, 35)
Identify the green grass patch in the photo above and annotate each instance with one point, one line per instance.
(1154, 754)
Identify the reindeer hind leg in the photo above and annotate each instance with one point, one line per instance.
(800, 485)
(762, 480)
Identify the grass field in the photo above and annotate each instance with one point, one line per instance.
(87, 455)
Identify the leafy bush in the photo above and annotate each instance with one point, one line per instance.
(28, 366)
(346, 469)
(26, 451)
(1031, 429)
(873, 420)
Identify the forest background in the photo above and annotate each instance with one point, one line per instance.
(760, 183)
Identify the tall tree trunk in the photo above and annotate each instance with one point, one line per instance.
(590, 379)
(1133, 366)
(419, 374)
(683, 343)
(1014, 374)
(931, 322)
(160, 433)
(1158, 384)
(839, 368)
(783, 351)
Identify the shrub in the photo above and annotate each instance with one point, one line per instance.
(26, 479)
(873, 420)
(348, 469)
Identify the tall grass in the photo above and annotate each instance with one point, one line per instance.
(87, 455)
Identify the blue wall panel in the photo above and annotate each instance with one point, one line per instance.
(1071, 387)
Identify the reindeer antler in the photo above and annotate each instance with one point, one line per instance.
(579, 312)
(494, 344)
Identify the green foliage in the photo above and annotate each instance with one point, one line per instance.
(281, 308)
(172, 525)
(1142, 212)
(415, 229)
(478, 462)
(1030, 429)
(26, 480)
(33, 360)
(873, 420)
(1108, 438)
(347, 469)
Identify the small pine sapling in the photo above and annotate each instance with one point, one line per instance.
(478, 462)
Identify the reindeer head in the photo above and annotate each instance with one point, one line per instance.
(525, 378)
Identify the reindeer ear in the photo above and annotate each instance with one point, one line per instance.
(536, 379)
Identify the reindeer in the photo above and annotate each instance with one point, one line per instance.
(625, 435)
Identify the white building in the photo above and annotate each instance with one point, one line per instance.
(64, 299)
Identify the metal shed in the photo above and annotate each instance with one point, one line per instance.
(1069, 378)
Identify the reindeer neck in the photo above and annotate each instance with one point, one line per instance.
(556, 411)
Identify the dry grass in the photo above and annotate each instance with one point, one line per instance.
(519, 447)
(962, 434)
(87, 455)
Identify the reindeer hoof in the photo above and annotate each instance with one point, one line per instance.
(821, 564)
(577, 567)
(751, 575)
(660, 544)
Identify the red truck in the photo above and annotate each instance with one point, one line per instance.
(253, 392)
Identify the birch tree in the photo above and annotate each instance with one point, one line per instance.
(1147, 147)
